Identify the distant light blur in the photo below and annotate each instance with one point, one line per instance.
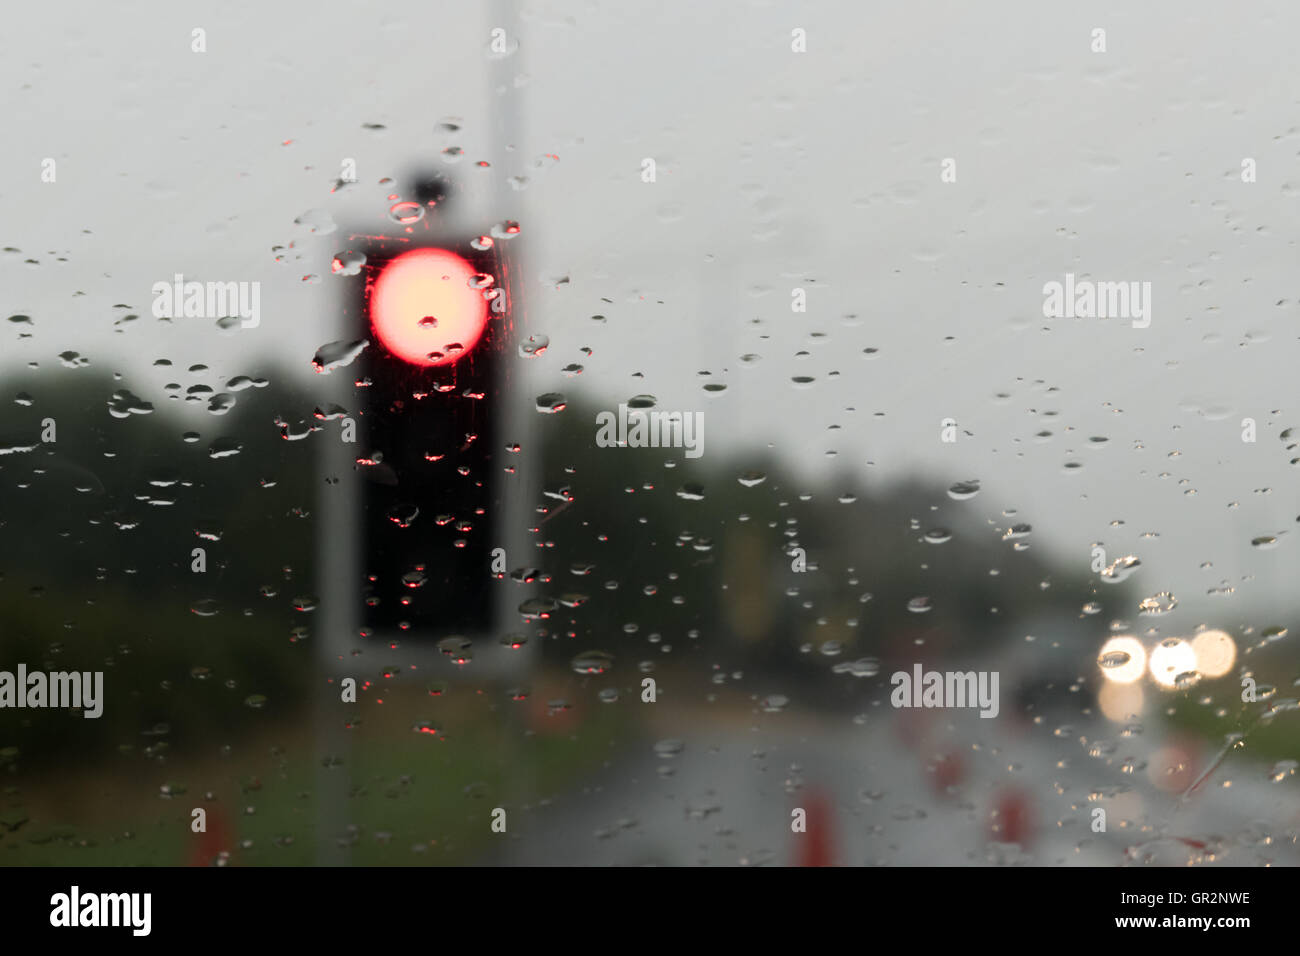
(1170, 659)
(1215, 651)
(1123, 659)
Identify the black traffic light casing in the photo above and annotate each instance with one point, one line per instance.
(429, 448)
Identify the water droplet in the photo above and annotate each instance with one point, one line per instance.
(538, 608)
(669, 748)
(1158, 604)
(124, 404)
(691, 492)
(241, 382)
(403, 514)
(592, 662)
(317, 221)
(406, 212)
(1120, 569)
(1101, 748)
(534, 346)
(863, 667)
(963, 490)
(1281, 770)
(221, 403)
(458, 648)
(347, 263)
(73, 360)
(1113, 659)
(334, 355)
(224, 448)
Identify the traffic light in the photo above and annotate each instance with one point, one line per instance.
(434, 308)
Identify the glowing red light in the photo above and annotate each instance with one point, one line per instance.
(424, 310)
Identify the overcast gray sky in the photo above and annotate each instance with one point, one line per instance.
(776, 170)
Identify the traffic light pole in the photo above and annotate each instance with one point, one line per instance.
(524, 481)
(340, 540)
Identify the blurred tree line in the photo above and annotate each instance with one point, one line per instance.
(99, 530)
(739, 566)
(733, 564)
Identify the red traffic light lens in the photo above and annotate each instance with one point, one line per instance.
(425, 308)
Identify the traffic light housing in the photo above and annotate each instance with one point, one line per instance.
(434, 308)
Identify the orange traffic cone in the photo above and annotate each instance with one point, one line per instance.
(218, 838)
(814, 846)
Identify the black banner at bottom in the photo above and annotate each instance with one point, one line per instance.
(341, 905)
